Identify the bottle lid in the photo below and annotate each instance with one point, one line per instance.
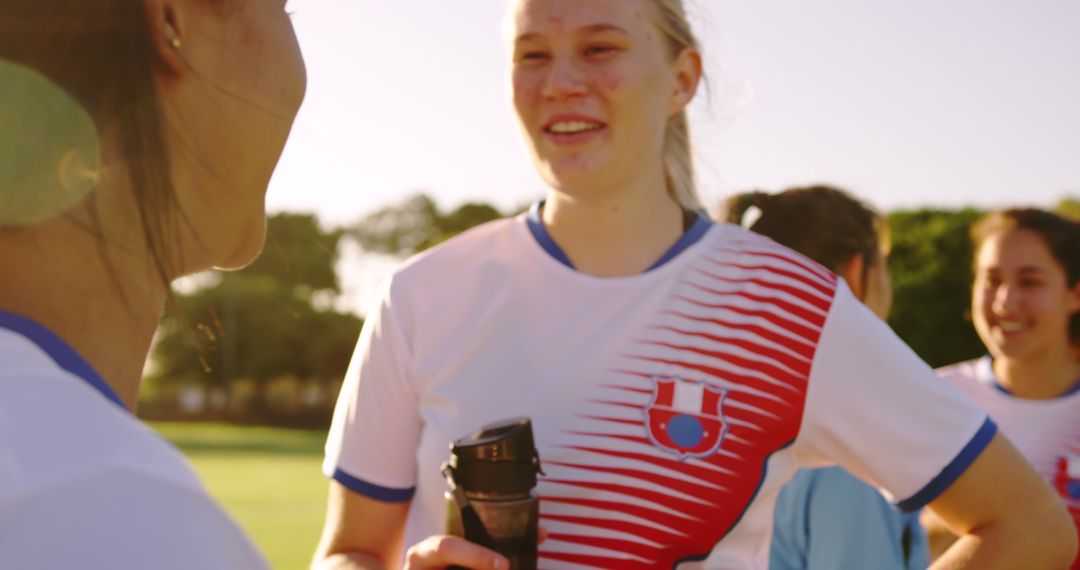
(499, 458)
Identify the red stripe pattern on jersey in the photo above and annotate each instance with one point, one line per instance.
(671, 452)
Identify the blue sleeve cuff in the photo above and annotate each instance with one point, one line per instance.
(953, 470)
(371, 490)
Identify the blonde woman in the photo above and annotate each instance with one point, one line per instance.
(677, 371)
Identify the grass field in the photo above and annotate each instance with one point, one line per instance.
(269, 479)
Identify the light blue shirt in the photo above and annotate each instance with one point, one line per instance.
(828, 519)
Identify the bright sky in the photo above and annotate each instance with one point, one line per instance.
(921, 102)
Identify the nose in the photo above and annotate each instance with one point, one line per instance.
(1004, 299)
(565, 78)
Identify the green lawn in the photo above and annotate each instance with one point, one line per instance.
(269, 479)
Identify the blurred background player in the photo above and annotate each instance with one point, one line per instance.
(1025, 303)
(677, 371)
(137, 141)
(827, 518)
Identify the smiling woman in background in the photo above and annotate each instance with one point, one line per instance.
(137, 141)
(1026, 306)
(677, 371)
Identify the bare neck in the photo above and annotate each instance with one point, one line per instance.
(1044, 378)
(64, 283)
(616, 233)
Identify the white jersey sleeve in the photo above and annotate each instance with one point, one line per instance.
(880, 412)
(122, 519)
(371, 447)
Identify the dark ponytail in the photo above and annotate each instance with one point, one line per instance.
(823, 223)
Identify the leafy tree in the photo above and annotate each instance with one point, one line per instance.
(1069, 207)
(260, 323)
(254, 328)
(930, 266)
(298, 252)
(401, 228)
(416, 224)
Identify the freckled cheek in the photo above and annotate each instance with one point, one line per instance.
(525, 95)
(612, 82)
(522, 88)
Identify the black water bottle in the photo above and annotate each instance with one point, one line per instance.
(491, 474)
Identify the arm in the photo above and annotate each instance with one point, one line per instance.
(1005, 515)
(924, 442)
(366, 534)
(360, 533)
(937, 533)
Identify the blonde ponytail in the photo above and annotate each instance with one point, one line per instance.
(678, 149)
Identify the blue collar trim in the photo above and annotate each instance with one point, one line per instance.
(540, 233)
(1001, 388)
(61, 353)
(696, 231)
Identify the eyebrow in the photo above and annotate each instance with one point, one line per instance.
(590, 29)
(1024, 270)
(1031, 269)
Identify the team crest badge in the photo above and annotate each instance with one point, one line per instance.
(686, 418)
(1067, 478)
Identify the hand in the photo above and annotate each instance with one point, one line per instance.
(438, 552)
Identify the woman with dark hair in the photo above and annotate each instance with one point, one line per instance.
(677, 371)
(137, 143)
(826, 517)
(1025, 303)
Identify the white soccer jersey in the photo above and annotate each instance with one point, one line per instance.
(1047, 432)
(83, 484)
(669, 407)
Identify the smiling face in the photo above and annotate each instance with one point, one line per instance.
(1021, 301)
(593, 85)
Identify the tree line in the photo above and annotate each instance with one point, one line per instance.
(269, 344)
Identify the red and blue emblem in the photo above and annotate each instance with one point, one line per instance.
(686, 418)
(1067, 478)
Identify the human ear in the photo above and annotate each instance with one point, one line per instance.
(166, 23)
(688, 70)
(852, 271)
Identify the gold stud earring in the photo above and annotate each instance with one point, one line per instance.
(175, 43)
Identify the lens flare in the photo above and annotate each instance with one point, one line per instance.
(50, 152)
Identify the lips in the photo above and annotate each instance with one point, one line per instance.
(572, 128)
(1009, 327)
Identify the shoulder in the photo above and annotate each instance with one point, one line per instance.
(751, 246)
(55, 428)
(121, 517)
(842, 487)
(834, 484)
(480, 260)
(965, 369)
(473, 247)
(968, 375)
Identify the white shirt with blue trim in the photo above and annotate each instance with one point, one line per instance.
(1046, 432)
(669, 407)
(84, 484)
